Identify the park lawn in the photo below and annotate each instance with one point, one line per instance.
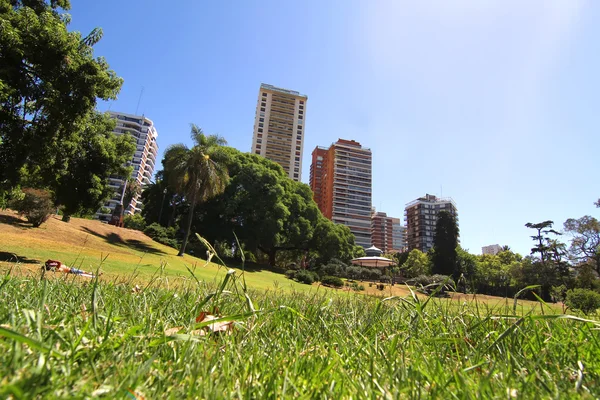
(119, 252)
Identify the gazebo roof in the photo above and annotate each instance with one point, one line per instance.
(373, 262)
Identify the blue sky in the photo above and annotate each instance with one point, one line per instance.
(493, 103)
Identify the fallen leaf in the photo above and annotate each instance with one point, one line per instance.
(173, 331)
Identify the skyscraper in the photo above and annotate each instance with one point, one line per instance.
(279, 128)
(341, 182)
(382, 231)
(144, 159)
(421, 218)
(398, 236)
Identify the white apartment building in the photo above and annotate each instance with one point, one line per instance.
(492, 249)
(279, 128)
(144, 160)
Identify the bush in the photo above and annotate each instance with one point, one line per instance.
(370, 273)
(332, 281)
(290, 273)
(354, 272)
(305, 276)
(584, 300)
(161, 234)
(135, 221)
(36, 205)
(356, 287)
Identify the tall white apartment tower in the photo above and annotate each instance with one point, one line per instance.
(279, 128)
(143, 162)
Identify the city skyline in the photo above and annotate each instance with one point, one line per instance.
(471, 97)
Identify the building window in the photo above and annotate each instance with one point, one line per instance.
(260, 125)
(258, 146)
(300, 117)
(261, 120)
(297, 147)
(262, 109)
(262, 114)
(301, 101)
(295, 169)
(299, 133)
(258, 140)
(299, 127)
(263, 104)
(296, 176)
(260, 129)
(297, 158)
(257, 151)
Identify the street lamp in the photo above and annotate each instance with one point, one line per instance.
(162, 205)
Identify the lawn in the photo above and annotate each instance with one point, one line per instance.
(119, 252)
(62, 339)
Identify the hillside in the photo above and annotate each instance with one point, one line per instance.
(89, 244)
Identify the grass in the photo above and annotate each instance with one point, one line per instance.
(61, 339)
(87, 244)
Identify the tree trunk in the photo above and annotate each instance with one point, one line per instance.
(189, 226)
(272, 257)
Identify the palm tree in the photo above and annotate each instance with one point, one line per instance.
(198, 173)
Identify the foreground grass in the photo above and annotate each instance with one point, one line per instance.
(59, 338)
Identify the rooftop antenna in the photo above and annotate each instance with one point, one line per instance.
(139, 100)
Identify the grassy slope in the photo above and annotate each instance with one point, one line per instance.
(84, 243)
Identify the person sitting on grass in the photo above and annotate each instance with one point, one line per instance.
(57, 266)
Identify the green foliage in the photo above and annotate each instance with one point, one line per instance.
(161, 234)
(357, 287)
(332, 281)
(83, 188)
(198, 173)
(584, 300)
(49, 85)
(132, 190)
(305, 276)
(135, 221)
(416, 264)
(444, 258)
(585, 243)
(8, 195)
(291, 273)
(36, 205)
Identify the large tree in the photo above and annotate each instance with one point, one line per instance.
(197, 173)
(49, 84)
(84, 186)
(445, 242)
(585, 243)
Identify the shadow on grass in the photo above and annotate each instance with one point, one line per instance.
(253, 267)
(13, 220)
(116, 239)
(12, 257)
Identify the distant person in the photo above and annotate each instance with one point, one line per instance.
(57, 266)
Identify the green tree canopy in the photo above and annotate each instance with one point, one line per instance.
(445, 242)
(417, 263)
(585, 242)
(198, 173)
(49, 84)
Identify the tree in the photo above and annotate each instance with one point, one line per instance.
(542, 247)
(132, 191)
(198, 173)
(551, 269)
(84, 186)
(585, 242)
(49, 84)
(417, 263)
(445, 242)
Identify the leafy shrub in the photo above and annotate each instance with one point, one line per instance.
(332, 281)
(36, 205)
(161, 234)
(305, 276)
(135, 221)
(356, 287)
(354, 272)
(371, 273)
(290, 273)
(585, 300)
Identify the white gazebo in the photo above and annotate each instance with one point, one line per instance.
(373, 259)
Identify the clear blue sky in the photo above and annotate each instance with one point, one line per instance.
(495, 103)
